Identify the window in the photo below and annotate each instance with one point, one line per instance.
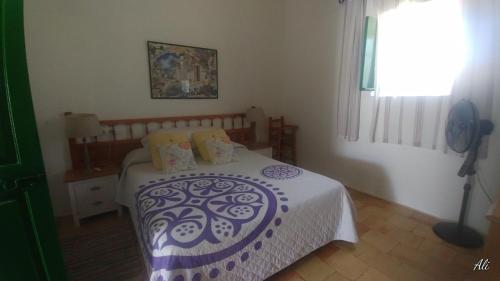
(420, 49)
(370, 47)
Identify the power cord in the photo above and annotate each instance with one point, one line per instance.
(490, 198)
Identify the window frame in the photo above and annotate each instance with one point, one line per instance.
(369, 33)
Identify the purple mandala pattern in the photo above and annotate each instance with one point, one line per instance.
(186, 211)
(281, 172)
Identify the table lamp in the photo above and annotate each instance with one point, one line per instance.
(83, 125)
(256, 115)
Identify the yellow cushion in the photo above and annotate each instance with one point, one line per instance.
(166, 139)
(214, 134)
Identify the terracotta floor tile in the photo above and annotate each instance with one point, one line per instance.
(358, 204)
(402, 210)
(326, 251)
(364, 251)
(371, 210)
(286, 275)
(362, 228)
(444, 272)
(438, 250)
(406, 238)
(425, 231)
(376, 201)
(426, 264)
(385, 264)
(424, 218)
(373, 275)
(312, 268)
(402, 222)
(463, 251)
(360, 250)
(396, 269)
(336, 277)
(347, 264)
(345, 245)
(380, 241)
(409, 255)
(465, 261)
(376, 223)
(409, 273)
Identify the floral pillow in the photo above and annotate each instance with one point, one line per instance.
(177, 157)
(220, 151)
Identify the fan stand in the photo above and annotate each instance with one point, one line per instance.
(457, 233)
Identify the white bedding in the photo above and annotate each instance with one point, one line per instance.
(240, 221)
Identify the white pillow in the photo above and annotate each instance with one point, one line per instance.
(176, 157)
(238, 145)
(139, 155)
(220, 152)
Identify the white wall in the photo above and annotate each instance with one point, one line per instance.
(419, 178)
(90, 56)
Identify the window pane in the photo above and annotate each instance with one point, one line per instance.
(368, 64)
(420, 49)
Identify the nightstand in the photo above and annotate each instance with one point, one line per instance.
(92, 193)
(264, 149)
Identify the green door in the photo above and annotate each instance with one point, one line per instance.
(29, 250)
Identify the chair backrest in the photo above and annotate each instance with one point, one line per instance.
(278, 122)
(276, 127)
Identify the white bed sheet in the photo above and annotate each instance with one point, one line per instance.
(317, 210)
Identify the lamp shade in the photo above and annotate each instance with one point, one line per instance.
(82, 125)
(255, 114)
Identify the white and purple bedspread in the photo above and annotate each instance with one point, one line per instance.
(241, 221)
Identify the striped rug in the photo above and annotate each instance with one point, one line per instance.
(103, 249)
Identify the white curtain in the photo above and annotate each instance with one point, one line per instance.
(350, 30)
(420, 121)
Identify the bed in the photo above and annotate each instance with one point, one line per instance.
(245, 220)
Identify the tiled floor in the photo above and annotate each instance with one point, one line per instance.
(396, 244)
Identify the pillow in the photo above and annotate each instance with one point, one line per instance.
(238, 145)
(155, 140)
(220, 151)
(139, 155)
(200, 138)
(177, 157)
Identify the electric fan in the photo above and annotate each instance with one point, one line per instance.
(464, 132)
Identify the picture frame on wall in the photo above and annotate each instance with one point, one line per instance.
(182, 72)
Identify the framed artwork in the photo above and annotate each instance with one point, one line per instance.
(182, 72)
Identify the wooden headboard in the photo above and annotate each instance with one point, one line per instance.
(122, 136)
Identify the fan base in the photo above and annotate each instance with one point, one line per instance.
(467, 238)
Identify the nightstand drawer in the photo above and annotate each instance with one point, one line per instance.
(95, 196)
(87, 208)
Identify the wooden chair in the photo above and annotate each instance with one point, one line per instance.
(283, 141)
(275, 135)
(289, 145)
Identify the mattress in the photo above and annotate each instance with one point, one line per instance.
(244, 220)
